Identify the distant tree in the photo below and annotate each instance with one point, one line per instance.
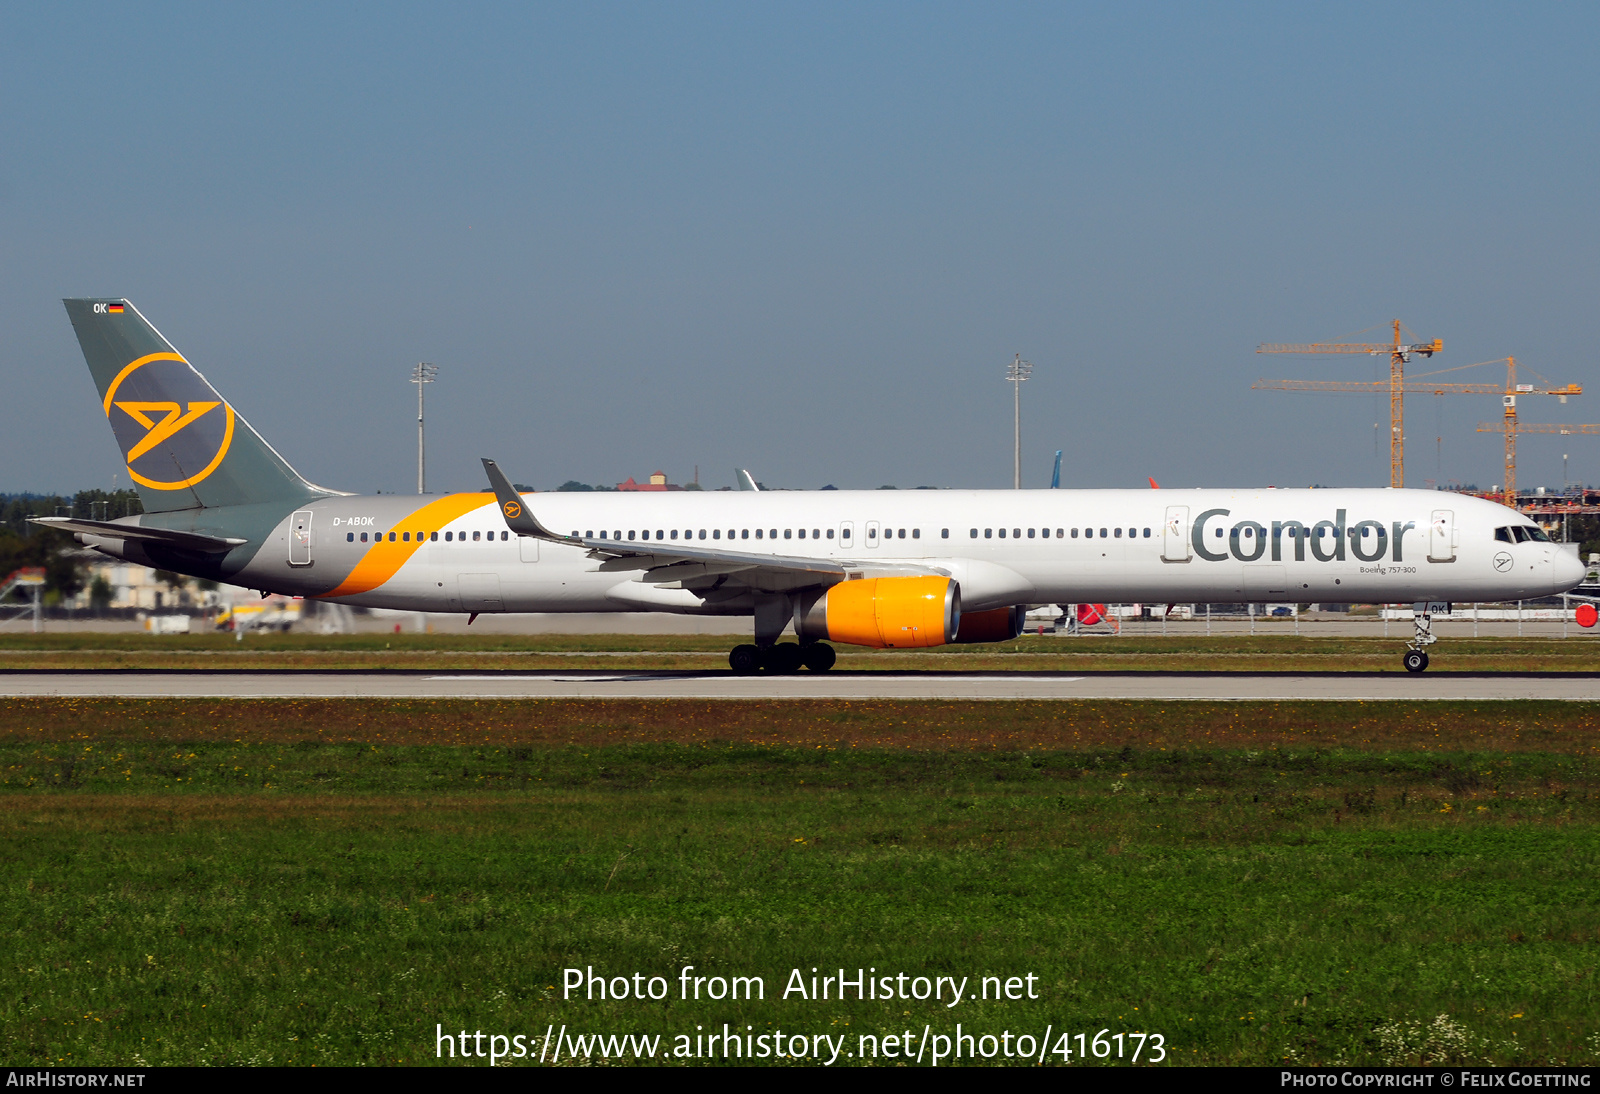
(693, 486)
(573, 486)
(99, 595)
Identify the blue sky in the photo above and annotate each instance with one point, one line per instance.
(804, 239)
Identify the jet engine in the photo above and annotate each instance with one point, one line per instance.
(892, 612)
(994, 625)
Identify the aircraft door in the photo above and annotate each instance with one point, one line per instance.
(528, 548)
(1442, 536)
(1175, 535)
(872, 533)
(846, 531)
(300, 538)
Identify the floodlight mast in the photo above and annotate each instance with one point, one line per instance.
(423, 373)
(1016, 372)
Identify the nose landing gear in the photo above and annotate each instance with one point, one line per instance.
(1415, 658)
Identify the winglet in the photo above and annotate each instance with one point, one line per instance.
(516, 514)
(1153, 485)
(1055, 476)
(746, 480)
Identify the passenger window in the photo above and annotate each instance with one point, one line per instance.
(1030, 533)
(602, 533)
(702, 533)
(802, 533)
(660, 534)
(830, 533)
(1219, 533)
(772, 533)
(349, 537)
(1002, 533)
(988, 533)
(916, 533)
(1061, 533)
(871, 532)
(1119, 533)
(1132, 532)
(944, 533)
(902, 533)
(507, 535)
(746, 534)
(844, 533)
(788, 533)
(405, 537)
(1016, 533)
(815, 534)
(973, 534)
(433, 537)
(1103, 533)
(1074, 533)
(758, 533)
(716, 533)
(1147, 533)
(475, 536)
(363, 537)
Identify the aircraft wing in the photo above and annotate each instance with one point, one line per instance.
(686, 565)
(185, 541)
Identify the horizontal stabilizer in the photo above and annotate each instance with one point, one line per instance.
(183, 541)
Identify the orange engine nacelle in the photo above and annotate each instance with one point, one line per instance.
(892, 612)
(994, 625)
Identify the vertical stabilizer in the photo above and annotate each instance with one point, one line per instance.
(184, 444)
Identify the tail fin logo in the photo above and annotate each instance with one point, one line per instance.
(173, 428)
(512, 509)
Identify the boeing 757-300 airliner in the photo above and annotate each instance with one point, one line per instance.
(868, 568)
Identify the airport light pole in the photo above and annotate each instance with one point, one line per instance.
(1016, 372)
(424, 373)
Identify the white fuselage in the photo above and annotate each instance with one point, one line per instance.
(1004, 547)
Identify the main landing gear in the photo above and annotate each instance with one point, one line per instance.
(1416, 655)
(781, 658)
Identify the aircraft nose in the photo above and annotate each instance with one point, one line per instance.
(1567, 569)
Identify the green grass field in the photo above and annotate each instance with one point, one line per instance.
(322, 882)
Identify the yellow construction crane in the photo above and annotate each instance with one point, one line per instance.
(1425, 385)
(1509, 425)
(1399, 354)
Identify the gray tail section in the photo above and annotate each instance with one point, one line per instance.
(184, 445)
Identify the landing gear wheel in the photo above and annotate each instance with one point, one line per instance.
(818, 656)
(1415, 661)
(745, 660)
(785, 658)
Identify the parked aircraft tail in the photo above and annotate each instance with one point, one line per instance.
(184, 444)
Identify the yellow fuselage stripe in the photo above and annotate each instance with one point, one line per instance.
(383, 560)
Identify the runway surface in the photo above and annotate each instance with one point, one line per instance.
(1576, 687)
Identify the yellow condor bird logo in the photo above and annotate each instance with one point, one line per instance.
(512, 509)
(164, 420)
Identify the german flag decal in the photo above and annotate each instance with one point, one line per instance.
(114, 309)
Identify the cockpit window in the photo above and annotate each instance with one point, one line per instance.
(1503, 535)
(1535, 534)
